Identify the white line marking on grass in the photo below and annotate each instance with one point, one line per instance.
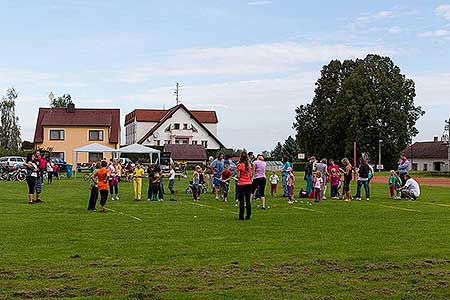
(395, 207)
(124, 214)
(214, 207)
(308, 209)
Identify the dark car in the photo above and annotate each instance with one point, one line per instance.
(62, 164)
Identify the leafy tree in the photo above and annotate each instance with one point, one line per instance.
(266, 154)
(9, 123)
(361, 101)
(277, 152)
(61, 101)
(290, 149)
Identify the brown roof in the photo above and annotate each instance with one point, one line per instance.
(156, 115)
(168, 115)
(436, 150)
(186, 152)
(81, 117)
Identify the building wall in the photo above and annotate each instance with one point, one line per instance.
(181, 117)
(429, 164)
(212, 127)
(75, 137)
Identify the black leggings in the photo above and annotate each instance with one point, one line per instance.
(31, 181)
(93, 198)
(50, 177)
(244, 192)
(114, 187)
(103, 197)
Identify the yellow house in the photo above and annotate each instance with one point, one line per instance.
(65, 129)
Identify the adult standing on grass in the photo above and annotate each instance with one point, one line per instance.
(94, 189)
(217, 167)
(284, 176)
(403, 168)
(364, 170)
(42, 163)
(138, 174)
(32, 175)
(322, 167)
(411, 189)
(309, 169)
(244, 176)
(259, 179)
(348, 173)
(101, 177)
(172, 179)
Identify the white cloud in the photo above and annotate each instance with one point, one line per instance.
(434, 33)
(395, 30)
(257, 59)
(262, 2)
(384, 14)
(443, 11)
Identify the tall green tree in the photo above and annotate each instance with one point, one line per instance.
(61, 101)
(277, 152)
(290, 149)
(363, 101)
(9, 122)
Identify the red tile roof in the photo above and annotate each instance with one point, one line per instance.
(156, 115)
(187, 152)
(168, 115)
(434, 150)
(81, 117)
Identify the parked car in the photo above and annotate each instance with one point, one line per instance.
(12, 162)
(62, 164)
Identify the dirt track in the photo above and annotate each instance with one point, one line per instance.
(431, 181)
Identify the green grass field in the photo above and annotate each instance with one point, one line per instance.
(381, 249)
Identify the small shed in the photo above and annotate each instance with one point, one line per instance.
(183, 153)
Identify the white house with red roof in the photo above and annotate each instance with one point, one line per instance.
(177, 125)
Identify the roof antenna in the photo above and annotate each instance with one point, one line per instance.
(177, 92)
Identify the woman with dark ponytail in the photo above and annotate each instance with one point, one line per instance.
(244, 185)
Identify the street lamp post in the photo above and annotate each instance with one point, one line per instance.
(379, 155)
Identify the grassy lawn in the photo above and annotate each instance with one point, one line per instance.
(381, 249)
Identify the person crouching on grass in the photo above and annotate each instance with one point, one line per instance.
(138, 174)
(290, 185)
(101, 177)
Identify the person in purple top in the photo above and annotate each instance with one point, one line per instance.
(259, 180)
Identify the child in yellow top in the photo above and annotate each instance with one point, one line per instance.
(138, 174)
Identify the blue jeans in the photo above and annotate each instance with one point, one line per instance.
(309, 186)
(285, 186)
(366, 188)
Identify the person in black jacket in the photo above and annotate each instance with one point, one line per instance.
(363, 179)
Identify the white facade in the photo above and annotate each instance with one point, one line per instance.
(429, 164)
(180, 128)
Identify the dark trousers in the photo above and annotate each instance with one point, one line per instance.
(171, 183)
(114, 188)
(161, 189)
(334, 191)
(195, 192)
(93, 198)
(50, 177)
(244, 192)
(366, 188)
(402, 177)
(103, 197)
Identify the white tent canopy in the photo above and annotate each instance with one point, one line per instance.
(140, 149)
(93, 148)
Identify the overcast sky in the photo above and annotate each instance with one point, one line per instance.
(251, 61)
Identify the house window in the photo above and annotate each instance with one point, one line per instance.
(57, 135)
(414, 166)
(158, 143)
(185, 126)
(194, 142)
(205, 144)
(95, 156)
(176, 126)
(167, 142)
(96, 135)
(58, 155)
(425, 167)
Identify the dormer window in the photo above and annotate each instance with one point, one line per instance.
(176, 126)
(185, 126)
